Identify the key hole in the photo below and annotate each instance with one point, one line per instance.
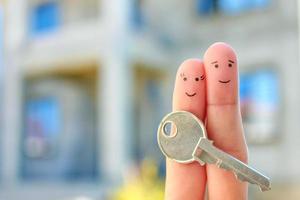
(170, 129)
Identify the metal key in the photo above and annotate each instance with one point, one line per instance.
(189, 143)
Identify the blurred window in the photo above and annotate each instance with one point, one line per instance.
(137, 14)
(230, 7)
(59, 140)
(259, 93)
(79, 11)
(206, 7)
(150, 107)
(45, 17)
(48, 15)
(238, 6)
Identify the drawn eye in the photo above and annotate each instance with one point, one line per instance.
(229, 65)
(184, 78)
(197, 79)
(216, 65)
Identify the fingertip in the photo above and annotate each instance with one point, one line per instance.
(220, 47)
(189, 90)
(221, 68)
(191, 66)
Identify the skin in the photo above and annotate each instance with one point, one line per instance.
(187, 181)
(216, 101)
(224, 124)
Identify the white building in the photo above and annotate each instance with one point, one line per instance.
(131, 71)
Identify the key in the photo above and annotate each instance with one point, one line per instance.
(188, 142)
(206, 152)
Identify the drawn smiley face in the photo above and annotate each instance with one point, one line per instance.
(191, 80)
(230, 63)
(221, 70)
(189, 91)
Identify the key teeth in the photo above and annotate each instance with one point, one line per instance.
(236, 176)
(202, 163)
(210, 141)
(263, 189)
(220, 164)
(197, 154)
(239, 177)
(242, 178)
(205, 140)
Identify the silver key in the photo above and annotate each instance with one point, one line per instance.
(189, 143)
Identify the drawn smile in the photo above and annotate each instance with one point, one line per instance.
(190, 95)
(224, 81)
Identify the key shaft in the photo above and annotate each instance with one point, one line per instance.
(206, 152)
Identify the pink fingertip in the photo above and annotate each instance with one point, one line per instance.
(221, 68)
(189, 90)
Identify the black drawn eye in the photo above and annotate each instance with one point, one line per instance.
(216, 65)
(197, 79)
(184, 78)
(229, 65)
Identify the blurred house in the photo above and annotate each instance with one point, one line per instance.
(86, 82)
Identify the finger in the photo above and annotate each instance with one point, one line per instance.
(224, 124)
(187, 181)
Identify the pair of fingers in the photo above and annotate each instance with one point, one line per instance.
(209, 90)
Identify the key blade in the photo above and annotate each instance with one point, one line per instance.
(203, 157)
(264, 187)
(210, 154)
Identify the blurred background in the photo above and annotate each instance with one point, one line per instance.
(85, 83)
